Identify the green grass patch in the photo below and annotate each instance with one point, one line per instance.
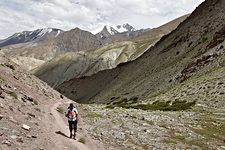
(124, 103)
(82, 140)
(157, 105)
(170, 141)
(93, 115)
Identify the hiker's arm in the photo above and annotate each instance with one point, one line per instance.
(77, 116)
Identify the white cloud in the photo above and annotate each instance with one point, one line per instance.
(19, 15)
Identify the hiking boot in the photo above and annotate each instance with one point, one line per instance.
(74, 136)
(71, 135)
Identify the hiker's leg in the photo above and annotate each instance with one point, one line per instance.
(75, 128)
(70, 127)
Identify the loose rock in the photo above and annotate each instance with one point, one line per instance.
(20, 139)
(26, 127)
(14, 136)
(32, 115)
(12, 120)
(6, 142)
(1, 116)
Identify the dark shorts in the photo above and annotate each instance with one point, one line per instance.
(73, 125)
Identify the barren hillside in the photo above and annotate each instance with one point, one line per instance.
(193, 49)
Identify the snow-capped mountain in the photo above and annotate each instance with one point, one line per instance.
(114, 30)
(28, 36)
(125, 28)
(106, 31)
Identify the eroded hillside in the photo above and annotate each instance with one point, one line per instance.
(193, 49)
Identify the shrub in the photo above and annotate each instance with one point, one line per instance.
(60, 110)
(1, 78)
(82, 140)
(35, 102)
(13, 94)
(204, 39)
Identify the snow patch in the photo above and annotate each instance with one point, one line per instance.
(57, 33)
(44, 31)
(97, 30)
(31, 33)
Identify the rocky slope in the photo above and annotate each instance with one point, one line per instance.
(23, 98)
(74, 65)
(194, 49)
(32, 114)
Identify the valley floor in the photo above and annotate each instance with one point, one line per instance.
(145, 130)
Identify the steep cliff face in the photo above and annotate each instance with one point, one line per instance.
(189, 51)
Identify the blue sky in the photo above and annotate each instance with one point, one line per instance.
(20, 15)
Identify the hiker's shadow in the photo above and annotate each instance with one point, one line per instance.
(63, 134)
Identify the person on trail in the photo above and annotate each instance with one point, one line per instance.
(72, 116)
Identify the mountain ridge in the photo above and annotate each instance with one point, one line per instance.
(75, 65)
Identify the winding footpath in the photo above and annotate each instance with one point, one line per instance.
(61, 125)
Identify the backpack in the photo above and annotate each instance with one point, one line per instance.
(71, 114)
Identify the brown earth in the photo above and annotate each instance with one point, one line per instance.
(29, 118)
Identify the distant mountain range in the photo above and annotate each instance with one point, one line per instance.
(29, 36)
(51, 33)
(114, 30)
(45, 44)
(120, 32)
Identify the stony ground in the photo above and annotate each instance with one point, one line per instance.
(29, 114)
(157, 130)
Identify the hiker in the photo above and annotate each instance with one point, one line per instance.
(72, 116)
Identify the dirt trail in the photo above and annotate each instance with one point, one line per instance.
(62, 126)
(90, 144)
